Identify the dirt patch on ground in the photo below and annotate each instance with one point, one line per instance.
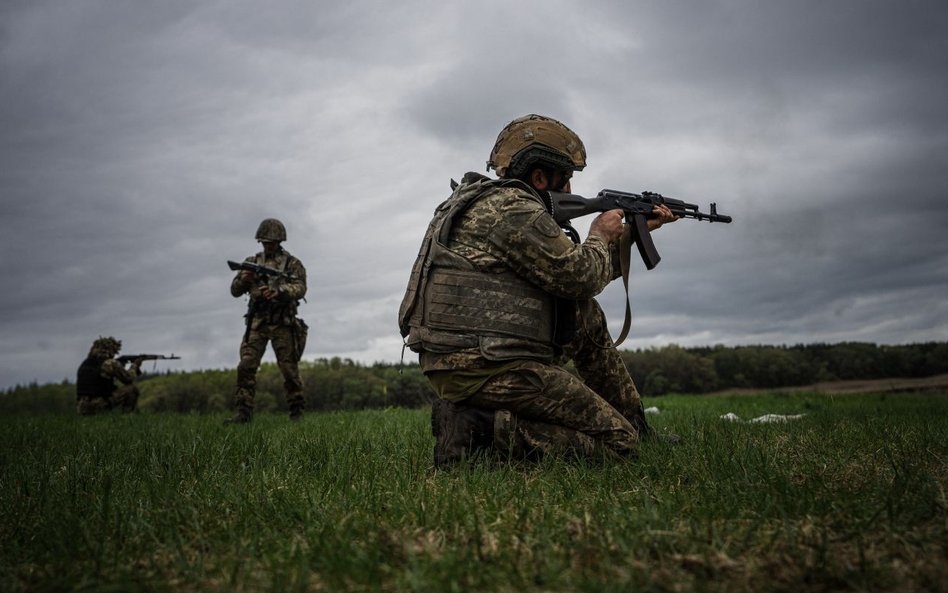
(935, 383)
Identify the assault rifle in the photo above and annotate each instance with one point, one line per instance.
(139, 358)
(637, 208)
(271, 276)
(127, 358)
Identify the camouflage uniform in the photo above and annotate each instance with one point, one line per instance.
(96, 389)
(499, 299)
(271, 321)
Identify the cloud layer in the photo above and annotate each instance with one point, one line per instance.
(143, 144)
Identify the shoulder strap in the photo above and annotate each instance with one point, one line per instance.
(261, 259)
(625, 258)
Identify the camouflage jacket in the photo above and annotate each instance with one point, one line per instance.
(114, 369)
(505, 231)
(281, 310)
(96, 377)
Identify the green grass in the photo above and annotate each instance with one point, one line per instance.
(851, 497)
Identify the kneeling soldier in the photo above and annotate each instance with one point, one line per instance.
(96, 378)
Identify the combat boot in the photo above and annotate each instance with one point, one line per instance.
(242, 416)
(296, 412)
(243, 406)
(460, 431)
(647, 434)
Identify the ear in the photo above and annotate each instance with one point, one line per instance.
(539, 180)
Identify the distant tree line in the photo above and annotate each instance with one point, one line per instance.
(335, 383)
(672, 369)
(328, 384)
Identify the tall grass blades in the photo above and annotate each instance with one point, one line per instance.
(849, 497)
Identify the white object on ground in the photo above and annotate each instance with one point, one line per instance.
(652, 410)
(771, 418)
(765, 419)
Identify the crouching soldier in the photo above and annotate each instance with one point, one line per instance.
(103, 383)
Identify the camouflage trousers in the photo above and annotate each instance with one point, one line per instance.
(252, 349)
(543, 408)
(125, 397)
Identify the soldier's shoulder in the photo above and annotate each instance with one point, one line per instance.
(110, 366)
(292, 260)
(502, 197)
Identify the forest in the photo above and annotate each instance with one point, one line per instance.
(342, 384)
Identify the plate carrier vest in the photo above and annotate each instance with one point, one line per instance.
(450, 305)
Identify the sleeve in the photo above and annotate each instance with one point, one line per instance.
(294, 290)
(239, 287)
(534, 246)
(617, 248)
(113, 369)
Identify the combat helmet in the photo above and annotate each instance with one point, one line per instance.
(271, 229)
(106, 347)
(536, 140)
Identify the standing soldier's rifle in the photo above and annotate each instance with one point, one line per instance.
(272, 277)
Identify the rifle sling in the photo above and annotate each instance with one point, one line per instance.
(625, 260)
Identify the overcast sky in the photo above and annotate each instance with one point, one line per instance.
(142, 143)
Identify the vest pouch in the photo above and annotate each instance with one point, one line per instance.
(424, 339)
(300, 333)
(504, 348)
(470, 302)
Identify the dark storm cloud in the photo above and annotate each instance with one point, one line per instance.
(840, 115)
(828, 111)
(143, 144)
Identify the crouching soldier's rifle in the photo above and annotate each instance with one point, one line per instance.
(137, 359)
(638, 209)
(126, 358)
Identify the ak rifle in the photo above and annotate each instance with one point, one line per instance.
(637, 208)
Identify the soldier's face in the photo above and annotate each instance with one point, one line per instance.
(561, 181)
(549, 180)
(270, 247)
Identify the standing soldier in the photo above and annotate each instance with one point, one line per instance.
(96, 390)
(271, 317)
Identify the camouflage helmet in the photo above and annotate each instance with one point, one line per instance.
(106, 347)
(271, 229)
(534, 140)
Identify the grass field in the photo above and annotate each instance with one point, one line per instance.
(850, 497)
